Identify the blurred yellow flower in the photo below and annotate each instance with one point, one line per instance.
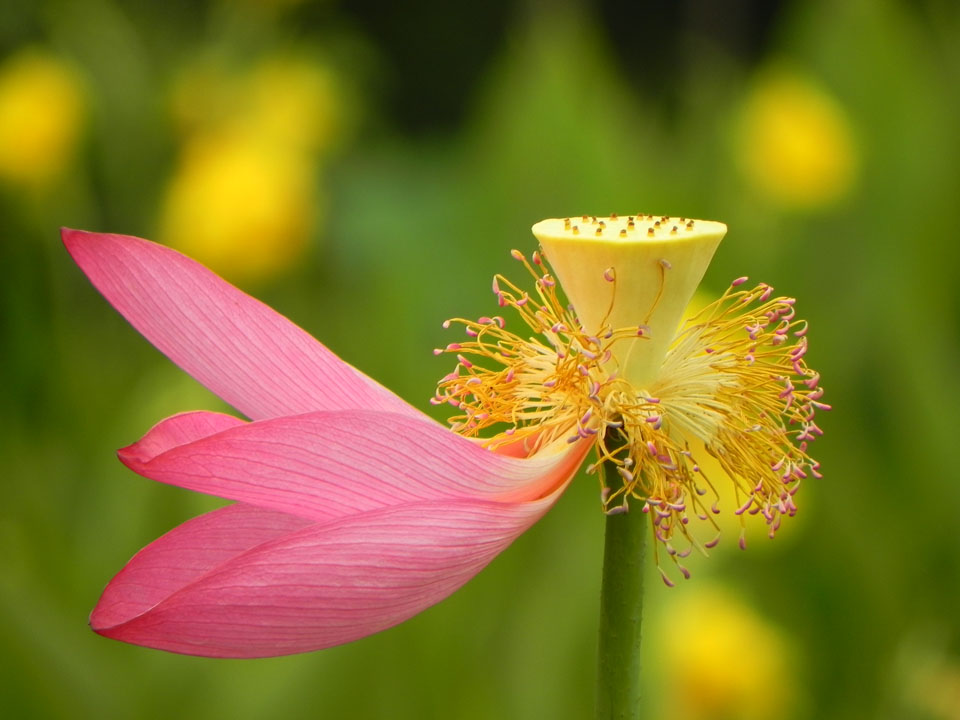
(794, 141)
(240, 205)
(928, 675)
(721, 660)
(243, 197)
(295, 102)
(41, 115)
(292, 101)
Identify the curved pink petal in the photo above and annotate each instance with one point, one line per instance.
(180, 429)
(322, 585)
(245, 352)
(184, 555)
(325, 465)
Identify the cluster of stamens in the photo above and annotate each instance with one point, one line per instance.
(734, 385)
(540, 388)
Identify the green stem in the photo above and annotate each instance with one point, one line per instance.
(621, 610)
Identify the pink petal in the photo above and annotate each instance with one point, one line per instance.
(180, 429)
(184, 555)
(242, 350)
(312, 588)
(326, 465)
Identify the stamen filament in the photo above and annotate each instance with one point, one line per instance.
(733, 384)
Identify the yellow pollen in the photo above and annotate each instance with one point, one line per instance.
(733, 385)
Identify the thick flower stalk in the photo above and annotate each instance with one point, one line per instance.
(618, 369)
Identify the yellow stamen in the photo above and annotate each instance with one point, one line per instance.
(732, 382)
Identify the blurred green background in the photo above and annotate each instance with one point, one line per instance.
(365, 168)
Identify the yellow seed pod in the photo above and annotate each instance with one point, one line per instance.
(631, 270)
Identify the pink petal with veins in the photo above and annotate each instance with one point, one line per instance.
(355, 512)
(325, 465)
(180, 429)
(242, 350)
(186, 554)
(307, 589)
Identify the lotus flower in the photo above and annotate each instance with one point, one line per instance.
(354, 511)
